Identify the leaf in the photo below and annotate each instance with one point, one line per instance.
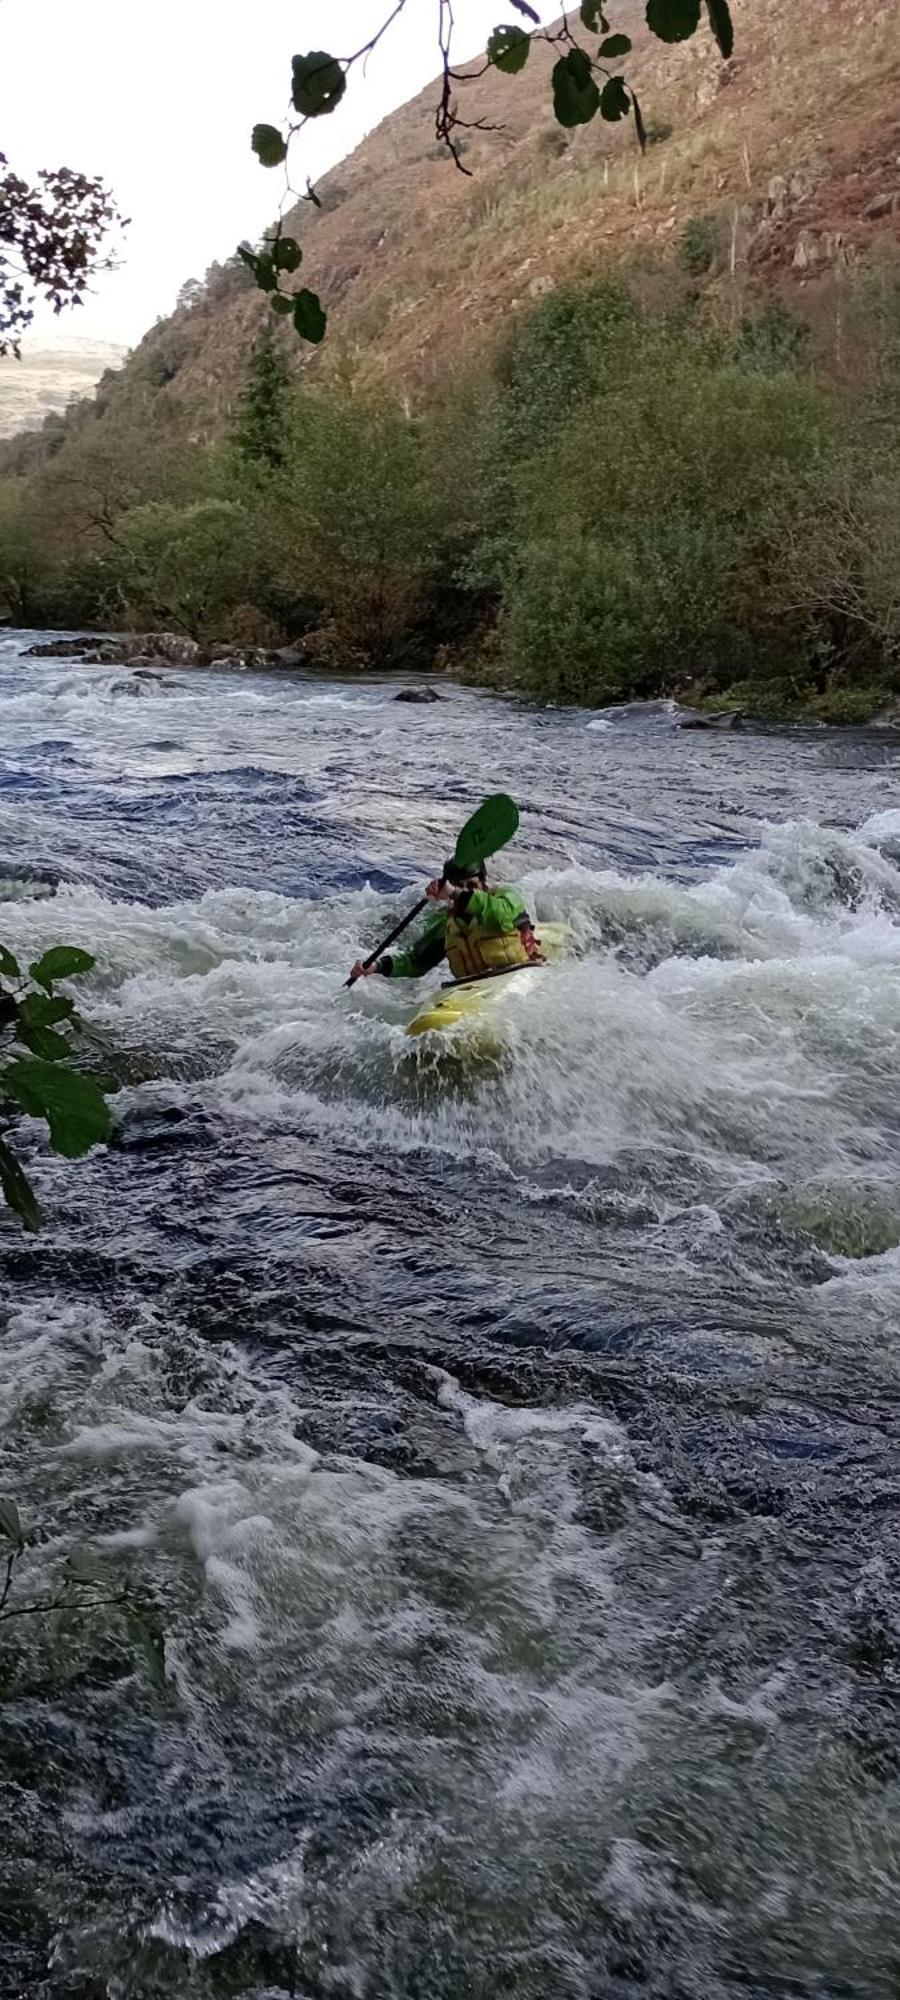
(522, 7)
(593, 17)
(286, 254)
(640, 127)
(280, 302)
(35, 1028)
(64, 961)
(722, 25)
(146, 1633)
(614, 100)
(673, 20)
(268, 145)
(75, 1109)
(9, 966)
(18, 1192)
(509, 49)
(41, 1010)
(44, 1042)
(318, 83)
(10, 1522)
(614, 47)
(575, 94)
(264, 272)
(309, 319)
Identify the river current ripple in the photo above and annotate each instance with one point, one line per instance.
(509, 1444)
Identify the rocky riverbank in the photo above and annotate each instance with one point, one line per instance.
(155, 650)
(149, 653)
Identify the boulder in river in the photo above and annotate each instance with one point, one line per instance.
(61, 649)
(729, 718)
(170, 649)
(418, 694)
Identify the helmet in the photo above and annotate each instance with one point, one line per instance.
(458, 876)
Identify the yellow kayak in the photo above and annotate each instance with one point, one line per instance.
(469, 998)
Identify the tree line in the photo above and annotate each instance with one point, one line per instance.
(624, 501)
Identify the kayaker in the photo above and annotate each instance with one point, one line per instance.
(478, 930)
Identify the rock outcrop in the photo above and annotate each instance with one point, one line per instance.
(149, 652)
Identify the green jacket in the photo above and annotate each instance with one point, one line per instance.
(496, 911)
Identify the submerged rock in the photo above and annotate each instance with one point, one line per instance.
(418, 694)
(730, 718)
(159, 1125)
(140, 683)
(21, 882)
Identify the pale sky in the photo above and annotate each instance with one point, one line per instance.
(160, 100)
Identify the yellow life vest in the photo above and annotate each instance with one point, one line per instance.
(472, 951)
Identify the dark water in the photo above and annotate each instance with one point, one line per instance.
(509, 1440)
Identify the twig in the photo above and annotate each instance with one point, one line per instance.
(10, 1565)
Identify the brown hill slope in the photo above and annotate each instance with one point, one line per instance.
(791, 152)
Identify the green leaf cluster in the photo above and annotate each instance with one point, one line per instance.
(36, 1076)
(283, 255)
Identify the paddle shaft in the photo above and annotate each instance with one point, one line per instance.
(395, 933)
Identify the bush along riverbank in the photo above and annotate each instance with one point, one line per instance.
(628, 503)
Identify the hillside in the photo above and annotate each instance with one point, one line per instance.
(53, 372)
(791, 152)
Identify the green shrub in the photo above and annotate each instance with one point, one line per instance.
(701, 243)
(190, 566)
(644, 538)
(771, 340)
(365, 523)
(848, 704)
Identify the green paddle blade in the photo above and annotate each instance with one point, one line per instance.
(490, 827)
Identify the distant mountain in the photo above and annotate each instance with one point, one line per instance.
(53, 372)
(775, 172)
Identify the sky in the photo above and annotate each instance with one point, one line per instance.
(160, 100)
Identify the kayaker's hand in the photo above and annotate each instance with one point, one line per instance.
(439, 892)
(361, 971)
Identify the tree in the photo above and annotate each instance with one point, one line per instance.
(585, 83)
(23, 562)
(52, 233)
(259, 430)
(191, 566)
(649, 511)
(365, 520)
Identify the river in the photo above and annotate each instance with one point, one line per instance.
(509, 1445)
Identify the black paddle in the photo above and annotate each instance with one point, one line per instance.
(489, 828)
